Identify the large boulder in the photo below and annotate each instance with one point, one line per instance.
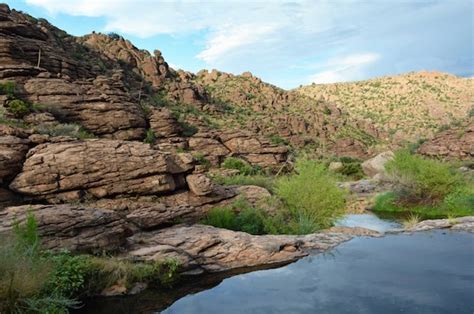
(71, 227)
(376, 166)
(99, 168)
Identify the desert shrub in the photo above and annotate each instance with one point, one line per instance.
(150, 137)
(244, 167)
(277, 140)
(263, 181)
(7, 88)
(202, 160)
(19, 108)
(420, 180)
(311, 196)
(65, 129)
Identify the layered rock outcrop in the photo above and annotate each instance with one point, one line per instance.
(76, 228)
(456, 143)
(101, 168)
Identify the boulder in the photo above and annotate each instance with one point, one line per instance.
(12, 153)
(200, 184)
(75, 228)
(376, 165)
(99, 168)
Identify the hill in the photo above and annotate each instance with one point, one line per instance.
(410, 106)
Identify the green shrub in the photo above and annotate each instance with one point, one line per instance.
(251, 220)
(311, 196)
(7, 88)
(65, 129)
(221, 217)
(19, 108)
(278, 140)
(420, 180)
(202, 160)
(244, 167)
(150, 137)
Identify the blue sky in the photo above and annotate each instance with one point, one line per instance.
(286, 43)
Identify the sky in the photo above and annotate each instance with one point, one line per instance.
(286, 43)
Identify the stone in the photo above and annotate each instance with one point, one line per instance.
(12, 153)
(200, 184)
(76, 228)
(99, 168)
(376, 165)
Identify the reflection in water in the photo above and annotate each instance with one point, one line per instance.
(369, 221)
(430, 272)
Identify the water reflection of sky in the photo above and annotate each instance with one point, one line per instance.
(369, 221)
(422, 273)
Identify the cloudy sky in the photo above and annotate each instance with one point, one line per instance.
(286, 43)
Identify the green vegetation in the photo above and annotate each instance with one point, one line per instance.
(311, 196)
(65, 129)
(150, 137)
(202, 160)
(351, 168)
(36, 281)
(7, 88)
(304, 202)
(19, 108)
(429, 188)
(239, 164)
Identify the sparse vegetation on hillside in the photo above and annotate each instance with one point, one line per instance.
(409, 106)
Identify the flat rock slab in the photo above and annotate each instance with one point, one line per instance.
(458, 224)
(214, 249)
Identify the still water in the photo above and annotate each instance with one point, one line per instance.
(429, 272)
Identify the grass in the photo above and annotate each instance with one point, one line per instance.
(150, 137)
(36, 281)
(428, 188)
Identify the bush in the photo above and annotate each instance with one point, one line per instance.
(19, 108)
(65, 129)
(311, 196)
(33, 281)
(420, 180)
(244, 167)
(221, 217)
(7, 88)
(150, 137)
(202, 160)
(248, 219)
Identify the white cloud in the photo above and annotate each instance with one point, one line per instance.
(344, 69)
(284, 41)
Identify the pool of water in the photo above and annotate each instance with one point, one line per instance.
(369, 221)
(429, 272)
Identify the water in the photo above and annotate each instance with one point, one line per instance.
(369, 221)
(430, 272)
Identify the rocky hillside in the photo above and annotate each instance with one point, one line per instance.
(288, 116)
(408, 107)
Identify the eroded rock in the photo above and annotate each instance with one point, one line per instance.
(75, 228)
(101, 168)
